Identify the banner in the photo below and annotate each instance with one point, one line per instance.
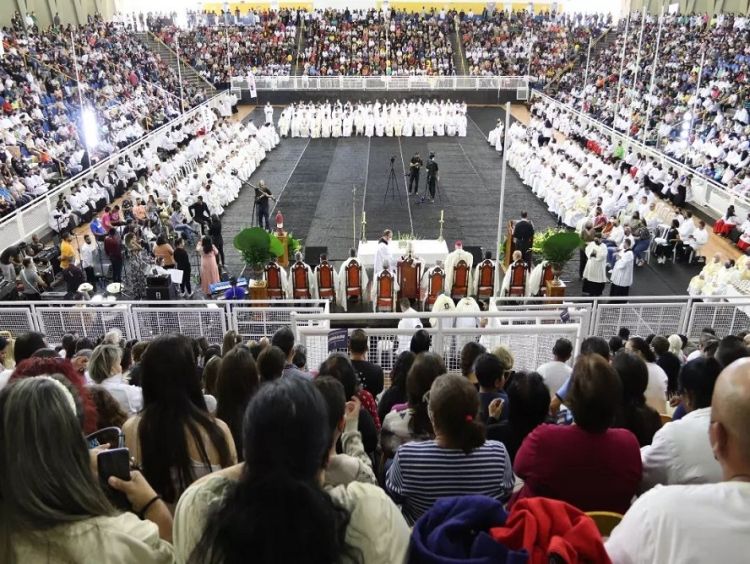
(338, 339)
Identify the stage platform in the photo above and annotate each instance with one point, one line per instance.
(318, 181)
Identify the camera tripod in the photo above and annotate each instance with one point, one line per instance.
(392, 185)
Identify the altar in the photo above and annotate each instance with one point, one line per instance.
(429, 250)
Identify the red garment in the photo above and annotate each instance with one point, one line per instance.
(741, 245)
(592, 471)
(547, 527)
(368, 402)
(721, 227)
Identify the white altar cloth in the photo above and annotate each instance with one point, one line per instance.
(429, 250)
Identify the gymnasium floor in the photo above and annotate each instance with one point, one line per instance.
(319, 182)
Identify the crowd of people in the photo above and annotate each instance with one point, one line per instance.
(218, 440)
(701, 121)
(376, 43)
(416, 118)
(541, 45)
(126, 91)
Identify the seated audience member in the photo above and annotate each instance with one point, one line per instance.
(236, 383)
(26, 345)
(589, 345)
(245, 509)
(369, 374)
(701, 522)
(420, 342)
(469, 354)
(656, 391)
(210, 377)
(284, 339)
(271, 363)
(413, 422)
(556, 371)
(458, 461)
(396, 392)
(730, 348)
(340, 367)
(300, 357)
(51, 503)
(105, 369)
(634, 414)
(589, 464)
(668, 361)
(680, 452)
(231, 340)
(615, 344)
(109, 413)
(353, 465)
(491, 375)
(174, 439)
(528, 406)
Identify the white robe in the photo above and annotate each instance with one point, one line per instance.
(596, 266)
(442, 303)
(467, 305)
(310, 282)
(451, 260)
(341, 288)
(382, 255)
(622, 272)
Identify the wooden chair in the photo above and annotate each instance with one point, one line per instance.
(547, 276)
(486, 282)
(274, 286)
(300, 285)
(517, 286)
(353, 281)
(326, 287)
(384, 297)
(460, 287)
(605, 521)
(409, 275)
(435, 286)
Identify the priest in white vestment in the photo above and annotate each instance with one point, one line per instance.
(342, 280)
(452, 259)
(411, 324)
(383, 252)
(595, 273)
(622, 271)
(310, 277)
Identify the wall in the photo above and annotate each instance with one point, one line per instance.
(692, 6)
(71, 11)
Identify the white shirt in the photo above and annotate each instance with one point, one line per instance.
(685, 524)
(413, 323)
(681, 453)
(5, 376)
(87, 254)
(555, 373)
(129, 397)
(656, 391)
(382, 255)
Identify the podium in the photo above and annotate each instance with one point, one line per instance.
(509, 247)
(258, 292)
(555, 291)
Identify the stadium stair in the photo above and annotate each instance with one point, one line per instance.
(189, 75)
(459, 59)
(607, 40)
(299, 41)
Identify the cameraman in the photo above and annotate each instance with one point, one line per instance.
(414, 165)
(432, 177)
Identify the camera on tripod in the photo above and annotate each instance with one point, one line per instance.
(393, 159)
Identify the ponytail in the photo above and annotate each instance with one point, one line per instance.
(471, 435)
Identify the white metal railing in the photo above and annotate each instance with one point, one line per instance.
(704, 191)
(33, 218)
(304, 82)
(534, 325)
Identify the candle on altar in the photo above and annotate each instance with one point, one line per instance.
(441, 215)
(364, 215)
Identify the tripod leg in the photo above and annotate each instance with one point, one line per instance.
(397, 188)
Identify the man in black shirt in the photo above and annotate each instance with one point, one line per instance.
(200, 213)
(262, 201)
(414, 165)
(523, 236)
(370, 375)
(182, 260)
(432, 177)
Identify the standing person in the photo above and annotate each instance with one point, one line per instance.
(588, 233)
(523, 236)
(182, 261)
(214, 231)
(432, 177)
(262, 196)
(87, 259)
(164, 250)
(415, 164)
(383, 254)
(595, 273)
(209, 265)
(32, 282)
(113, 250)
(622, 272)
(200, 213)
(135, 275)
(67, 253)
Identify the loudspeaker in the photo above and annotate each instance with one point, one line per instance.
(162, 281)
(312, 255)
(161, 293)
(476, 253)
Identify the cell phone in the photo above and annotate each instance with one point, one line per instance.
(114, 462)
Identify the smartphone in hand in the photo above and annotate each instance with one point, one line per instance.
(114, 462)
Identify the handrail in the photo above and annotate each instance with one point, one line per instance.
(383, 82)
(709, 183)
(188, 65)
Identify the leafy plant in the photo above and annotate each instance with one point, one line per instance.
(540, 237)
(558, 248)
(293, 244)
(257, 246)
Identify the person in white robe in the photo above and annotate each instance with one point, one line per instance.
(410, 324)
(285, 122)
(495, 138)
(336, 125)
(347, 123)
(359, 122)
(342, 280)
(443, 303)
(369, 125)
(386, 266)
(383, 252)
(517, 260)
(310, 277)
(535, 279)
(467, 305)
(622, 271)
(595, 273)
(379, 124)
(316, 125)
(475, 278)
(286, 287)
(268, 112)
(326, 126)
(452, 259)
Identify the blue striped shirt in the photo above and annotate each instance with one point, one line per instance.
(422, 473)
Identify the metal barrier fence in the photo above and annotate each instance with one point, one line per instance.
(146, 320)
(33, 218)
(538, 320)
(304, 82)
(704, 191)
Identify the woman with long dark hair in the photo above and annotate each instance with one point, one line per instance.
(273, 506)
(396, 393)
(656, 390)
(209, 265)
(174, 438)
(237, 382)
(458, 461)
(52, 507)
(214, 231)
(633, 413)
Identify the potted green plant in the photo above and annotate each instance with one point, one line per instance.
(293, 244)
(257, 247)
(558, 248)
